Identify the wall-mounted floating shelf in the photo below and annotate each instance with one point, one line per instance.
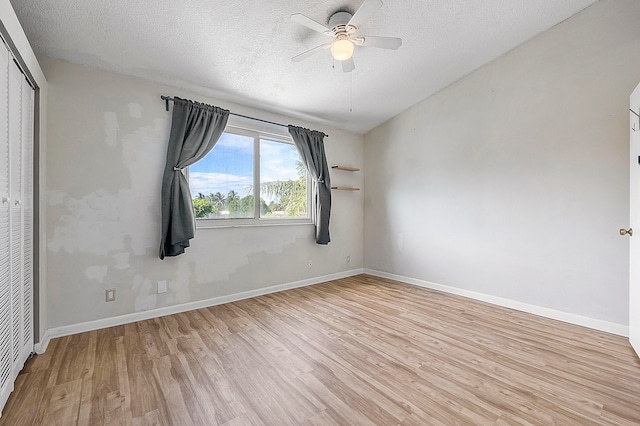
(345, 188)
(347, 168)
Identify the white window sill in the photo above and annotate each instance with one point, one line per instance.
(249, 223)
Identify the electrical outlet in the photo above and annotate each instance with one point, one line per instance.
(310, 263)
(162, 286)
(110, 295)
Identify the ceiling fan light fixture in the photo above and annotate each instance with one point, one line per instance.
(342, 50)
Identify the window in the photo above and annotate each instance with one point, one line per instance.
(230, 187)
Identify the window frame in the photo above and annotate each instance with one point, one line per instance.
(259, 131)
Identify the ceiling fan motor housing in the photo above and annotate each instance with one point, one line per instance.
(338, 24)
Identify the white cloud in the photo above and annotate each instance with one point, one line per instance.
(208, 183)
(238, 144)
(278, 161)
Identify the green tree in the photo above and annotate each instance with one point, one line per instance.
(264, 208)
(291, 195)
(217, 199)
(232, 196)
(202, 207)
(233, 203)
(246, 204)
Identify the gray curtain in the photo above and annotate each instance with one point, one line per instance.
(310, 145)
(195, 129)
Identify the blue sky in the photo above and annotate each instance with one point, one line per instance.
(229, 165)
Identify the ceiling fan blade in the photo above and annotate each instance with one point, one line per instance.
(310, 52)
(348, 65)
(382, 42)
(364, 12)
(310, 23)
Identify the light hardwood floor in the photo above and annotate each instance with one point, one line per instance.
(356, 351)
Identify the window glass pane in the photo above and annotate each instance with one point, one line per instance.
(222, 182)
(283, 181)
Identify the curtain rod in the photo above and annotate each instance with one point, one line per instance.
(168, 99)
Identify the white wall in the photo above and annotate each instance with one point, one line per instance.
(108, 136)
(513, 181)
(22, 49)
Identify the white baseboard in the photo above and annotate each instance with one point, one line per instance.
(169, 310)
(606, 326)
(67, 330)
(41, 346)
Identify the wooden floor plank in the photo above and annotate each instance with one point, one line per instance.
(360, 350)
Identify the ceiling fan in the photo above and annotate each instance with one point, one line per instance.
(342, 28)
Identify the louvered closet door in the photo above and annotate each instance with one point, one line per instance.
(16, 222)
(6, 363)
(15, 188)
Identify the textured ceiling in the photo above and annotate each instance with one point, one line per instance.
(241, 50)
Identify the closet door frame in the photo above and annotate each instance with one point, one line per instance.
(5, 37)
(6, 335)
(21, 116)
